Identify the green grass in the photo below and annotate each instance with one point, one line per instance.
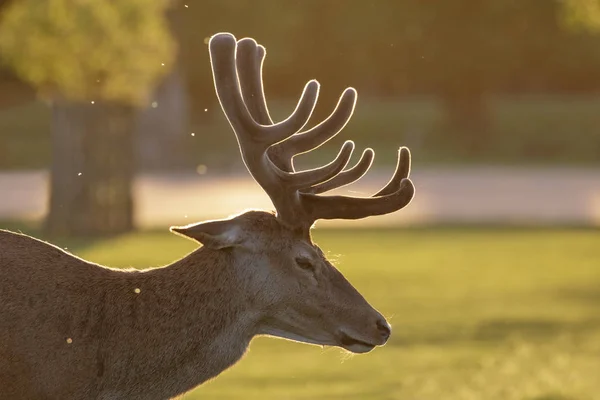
(477, 313)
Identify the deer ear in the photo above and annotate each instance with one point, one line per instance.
(218, 234)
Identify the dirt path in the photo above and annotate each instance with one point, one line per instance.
(463, 195)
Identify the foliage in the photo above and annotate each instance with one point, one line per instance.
(85, 49)
(477, 313)
(582, 14)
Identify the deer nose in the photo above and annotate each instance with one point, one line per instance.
(385, 330)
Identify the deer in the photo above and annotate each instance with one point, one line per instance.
(73, 329)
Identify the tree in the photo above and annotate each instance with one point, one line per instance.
(582, 15)
(97, 63)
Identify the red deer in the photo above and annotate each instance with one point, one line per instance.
(72, 329)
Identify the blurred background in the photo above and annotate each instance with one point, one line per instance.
(110, 131)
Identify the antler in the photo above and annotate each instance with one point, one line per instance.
(268, 148)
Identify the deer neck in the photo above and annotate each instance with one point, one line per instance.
(195, 318)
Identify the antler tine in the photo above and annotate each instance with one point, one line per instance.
(402, 172)
(346, 177)
(282, 153)
(315, 137)
(222, 48)
(308, 178)
(397, 194)
(249, 59)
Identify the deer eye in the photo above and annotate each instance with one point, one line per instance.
(305, 263)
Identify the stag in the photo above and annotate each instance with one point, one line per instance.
(72, 329)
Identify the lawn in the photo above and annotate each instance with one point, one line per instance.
(477, 313)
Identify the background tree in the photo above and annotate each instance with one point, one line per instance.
(582, 14)
(96, 62)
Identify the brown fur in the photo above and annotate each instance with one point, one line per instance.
(190, 321)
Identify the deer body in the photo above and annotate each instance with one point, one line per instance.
(70, 329)
(185, 326)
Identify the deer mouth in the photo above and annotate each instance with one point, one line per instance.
(354, 345)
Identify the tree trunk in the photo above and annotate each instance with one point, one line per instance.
(92, 169)
(162, 128)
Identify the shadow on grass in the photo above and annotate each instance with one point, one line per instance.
(500, 330)
(588, 295)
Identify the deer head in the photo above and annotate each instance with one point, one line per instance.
(296, 291)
